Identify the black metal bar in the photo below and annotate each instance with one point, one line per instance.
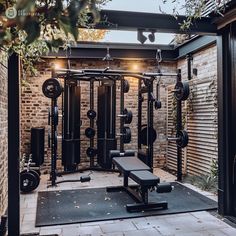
(122, 104)
(13, 146)
(140, 96)
(150, 126)
(179, 128)
(53, 145)
(92, 120)
(126, 20)
(189, 66)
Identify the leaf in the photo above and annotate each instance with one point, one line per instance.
(32, 28)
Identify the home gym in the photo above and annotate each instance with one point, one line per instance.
(117, 137)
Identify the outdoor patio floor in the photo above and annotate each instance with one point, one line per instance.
(195, 224)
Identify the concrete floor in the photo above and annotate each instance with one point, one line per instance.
(193, 224)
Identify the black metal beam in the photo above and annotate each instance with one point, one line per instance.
(194, 45)
(13, 146)
(98, 50)
(125, 20)
(117, 51)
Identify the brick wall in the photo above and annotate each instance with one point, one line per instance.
(3, 136)
(34, 106)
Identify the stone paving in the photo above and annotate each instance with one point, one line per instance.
(193, 224)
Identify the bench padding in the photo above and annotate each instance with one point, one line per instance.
(127, 164)
(144, 178)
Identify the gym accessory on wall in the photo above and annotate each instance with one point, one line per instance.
(91, 114)
(90, 132)
(127, 115)
(125, 135)
(52, 88)
(181, 138)
(91, 152)
(181, 91)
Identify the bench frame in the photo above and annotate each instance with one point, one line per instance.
(141, 196)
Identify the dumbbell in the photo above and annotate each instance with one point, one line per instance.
(91, 152)
(181, 138)
(117, 153)
(127, 115)
(126, 134)
(164, 188)
(90, 132)
(91, 114)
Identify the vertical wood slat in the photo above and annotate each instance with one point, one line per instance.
(201, 126)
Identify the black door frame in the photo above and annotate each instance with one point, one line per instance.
(226, 49)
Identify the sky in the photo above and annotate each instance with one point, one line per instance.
(151, 6)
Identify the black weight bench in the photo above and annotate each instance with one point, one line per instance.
(133, 168)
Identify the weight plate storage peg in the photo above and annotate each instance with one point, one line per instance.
(52, 88)
(90, 132)
(181, 91)
(91, 152)
(126, 86)
(91, 114)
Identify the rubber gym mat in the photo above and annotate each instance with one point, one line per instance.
(95, 204)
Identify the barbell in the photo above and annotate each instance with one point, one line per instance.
(181, 138)
(127, 115)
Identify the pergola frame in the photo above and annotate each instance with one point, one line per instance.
(119, 20)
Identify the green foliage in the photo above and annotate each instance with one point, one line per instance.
(204, 182)
(32, 27)
(194, 9)
(214, 168)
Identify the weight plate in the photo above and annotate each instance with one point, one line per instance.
(182, 138)
(144, 134)
(129, 116)
(126, 134)
(91, 114)
(126, 86)
(181, 91)
(52, 88)
(90, 132)
(91, 152)
(29, 181)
